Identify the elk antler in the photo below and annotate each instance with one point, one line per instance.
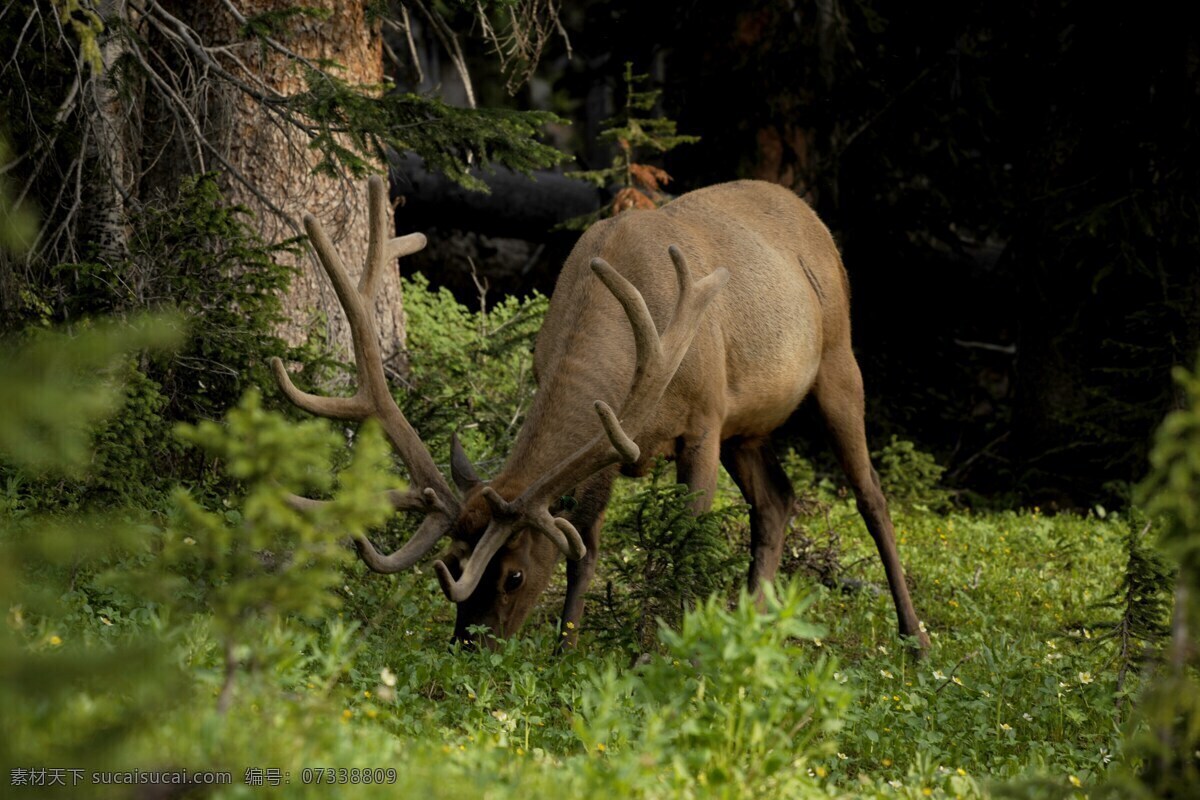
(431, 494)
(658, 359)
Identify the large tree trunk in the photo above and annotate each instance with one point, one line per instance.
(274, 161)
(109, 150)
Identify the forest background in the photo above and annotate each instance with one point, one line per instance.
(1013, 190)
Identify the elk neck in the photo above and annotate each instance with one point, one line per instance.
(562, 417)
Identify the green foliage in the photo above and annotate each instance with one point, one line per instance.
(124, 445)
(256, 557)
(637, 135)
(55, 387)
(1002, 695)
(1165, 747)
(87, 26)
(354, 124)
(732, 708)
(660, 560)
(199, 257)
(471, 371)
(1142, 600)
(78, 694)
(220, 271)
(910, 476)
(1171, 491)
(245, 602)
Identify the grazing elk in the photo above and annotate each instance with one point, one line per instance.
(696, 351)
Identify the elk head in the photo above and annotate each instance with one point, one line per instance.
(505, 539)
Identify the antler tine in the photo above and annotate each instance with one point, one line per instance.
(400, 499)
(459, 590)
(645, 334)
(683, 277)
(557, 529)
(432, 528)
(349, 408)
(659, 356)
(381, 250)
(373, 397)
(627, 451)
(376, 238)
(658, 359)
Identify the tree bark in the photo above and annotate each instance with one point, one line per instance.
(109, 151)
(274, 159)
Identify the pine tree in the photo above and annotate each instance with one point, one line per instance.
(638, 135)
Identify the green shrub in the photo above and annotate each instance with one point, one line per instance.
(74, 687)
(198, 256)
(1138, 609)
(1164, 746)
(733, 707)
(910, 477)
(255, 558)
(470, 371)
(659, 560)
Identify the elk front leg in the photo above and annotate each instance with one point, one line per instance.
(579, 577)
(839, 395)
(699, 461)
(753, 466)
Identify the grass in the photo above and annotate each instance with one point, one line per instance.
(1014, 692)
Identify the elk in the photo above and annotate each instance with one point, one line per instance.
(691, 331)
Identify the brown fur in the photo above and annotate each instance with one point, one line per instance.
(777, 332)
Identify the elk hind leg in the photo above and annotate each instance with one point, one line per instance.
(753, 466)
(839, 395)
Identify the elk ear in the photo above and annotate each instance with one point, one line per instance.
(461, 468)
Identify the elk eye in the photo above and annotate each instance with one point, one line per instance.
(513, 581)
